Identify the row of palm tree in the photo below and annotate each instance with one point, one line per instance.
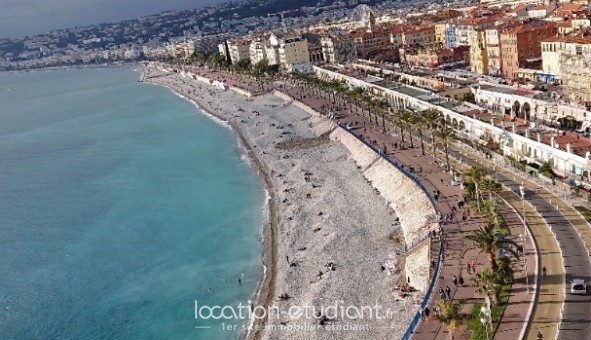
(492, 238)
(407, 121)
(430, 120)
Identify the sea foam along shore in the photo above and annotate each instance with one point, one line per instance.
(344, 221)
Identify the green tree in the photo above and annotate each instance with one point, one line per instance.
(242, 66)
(475, 175)
(486, 283)
(403, 119)
(444, 136)
(504, 271)
(432, 118)
(490, 239)
(418, 123)
(489, 186)
(450, 315)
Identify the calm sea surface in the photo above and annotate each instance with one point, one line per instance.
(120, 205)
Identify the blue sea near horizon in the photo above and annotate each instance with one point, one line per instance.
(121, 205)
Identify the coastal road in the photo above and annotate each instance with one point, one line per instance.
(565, 224)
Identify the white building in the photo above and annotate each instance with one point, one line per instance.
(239, 49)
(559, 151)
(338, 49)
(257, 49)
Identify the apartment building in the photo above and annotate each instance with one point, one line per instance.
(522, 45)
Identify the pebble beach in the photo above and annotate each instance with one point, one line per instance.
(331, 238)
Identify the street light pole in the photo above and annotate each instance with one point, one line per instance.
(522, 193)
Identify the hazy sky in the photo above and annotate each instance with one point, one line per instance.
(22, 17)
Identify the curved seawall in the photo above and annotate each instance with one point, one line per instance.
(412, 206)
(416, 213)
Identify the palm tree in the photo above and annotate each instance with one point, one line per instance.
(450, 316)
(486, 283)
(383, 107)
(358, 93)
(370, 105)
(431, 118)
(403, 118)
(334, 86)
(490, 207)
(418, 123)
(490, 240)
(475, 175)
(341, 89)
(504, 271)
(444, 136)
(489, 185)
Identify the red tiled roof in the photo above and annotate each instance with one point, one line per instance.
(540, 7)
(519, 8)
(569, 7)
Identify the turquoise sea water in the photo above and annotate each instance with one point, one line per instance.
(120, 204)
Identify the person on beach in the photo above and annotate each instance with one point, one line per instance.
(544, 270)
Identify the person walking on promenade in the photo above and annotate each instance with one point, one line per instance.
(461, 280)
(473, 265)
(448, 292)
(455, 281)
(468, 267)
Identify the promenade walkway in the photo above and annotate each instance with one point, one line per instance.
(457, 250)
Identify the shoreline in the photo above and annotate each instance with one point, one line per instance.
(265, 289)
(352, 194)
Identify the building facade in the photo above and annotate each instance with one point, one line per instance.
(293, 51)
(338, 49)
(522, 45)
(478, 52)
(575, 68)
(238, 49)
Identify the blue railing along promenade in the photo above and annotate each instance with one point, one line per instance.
(417, 318)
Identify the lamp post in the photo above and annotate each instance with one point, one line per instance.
(522, 194)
